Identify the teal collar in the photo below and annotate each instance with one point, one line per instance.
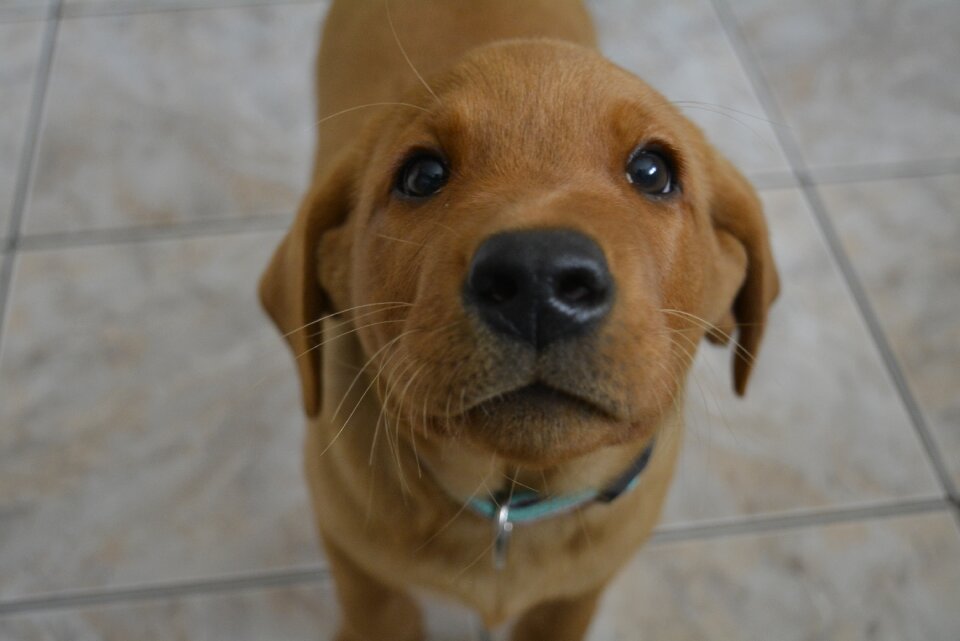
(507, 508)
(526, 506)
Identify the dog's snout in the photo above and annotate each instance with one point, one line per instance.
(539, 286)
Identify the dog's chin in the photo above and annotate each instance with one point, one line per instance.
(541, 425)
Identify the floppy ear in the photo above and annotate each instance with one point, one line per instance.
(747, 280)
(290, 289)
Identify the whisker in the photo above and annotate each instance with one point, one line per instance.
(453, 518)
(352, 330)
(385, 346)
(401, 240)
(760, 138)
(344, 311)
(707, 325)
(376, 433)
(396, 37)
(700, 103)
(480, 556)
(342, 112)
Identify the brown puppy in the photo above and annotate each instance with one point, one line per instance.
(517, 258)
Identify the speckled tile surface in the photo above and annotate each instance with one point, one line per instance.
(104, 7)
(680, 48)
(883, 580)
(176, 116)
(821, 424)
(22, 10)
(18, 65)
(903, 237)
(297, 613)
(861, 82)
(150, 415)
(305, 613)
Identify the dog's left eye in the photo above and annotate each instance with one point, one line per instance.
(650, 171)
(422, 176)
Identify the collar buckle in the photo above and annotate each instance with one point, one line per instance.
(502, 529)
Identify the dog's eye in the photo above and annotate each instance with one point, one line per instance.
(650, 172)
(422, 176)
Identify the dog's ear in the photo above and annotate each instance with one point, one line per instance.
(290, 289)
(746, 281)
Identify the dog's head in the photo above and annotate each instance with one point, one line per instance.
(529, 259)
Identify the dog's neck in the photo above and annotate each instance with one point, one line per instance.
(460, 468)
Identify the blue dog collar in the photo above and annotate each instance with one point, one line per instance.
(507, 508)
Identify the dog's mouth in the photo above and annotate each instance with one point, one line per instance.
(540, 399)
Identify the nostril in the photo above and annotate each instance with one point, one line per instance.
(579, 288)
(496, 286)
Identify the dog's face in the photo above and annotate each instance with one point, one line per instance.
(552, 238)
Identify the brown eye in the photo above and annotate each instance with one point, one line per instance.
(422, 176)
(650, 172)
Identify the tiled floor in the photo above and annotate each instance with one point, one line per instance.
(151, 152)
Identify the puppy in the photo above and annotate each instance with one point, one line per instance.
(493, 289)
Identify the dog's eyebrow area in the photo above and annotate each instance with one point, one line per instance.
(599, 133)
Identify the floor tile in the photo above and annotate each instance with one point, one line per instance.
(18, 66)
(884, 580)
(821, 425)
(101, 7)
(304, 613)
(17, 10)
(861, 82)
(307, 613)
(903, 238)
(680, 48)
(151, 420)
(177, 116)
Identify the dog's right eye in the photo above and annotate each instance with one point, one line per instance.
(422, 176)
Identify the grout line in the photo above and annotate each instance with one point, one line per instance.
(876, 172)
(320, 575)
(151, 233)
(766, 181)
(27, 163)
(111, 596)
(809, 189)
(32, 131)
(785, 522)
(955, 505)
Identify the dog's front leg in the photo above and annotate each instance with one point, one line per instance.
(371, 610)
(559, 620)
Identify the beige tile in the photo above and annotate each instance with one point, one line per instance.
(151, 419)
(862, 82)
(16, 10)
(884, 580)
(19, 52)
(903, 238)
(177, 116)
(303, 613)
(680, 48)
(102, 7)
(821, 425)
(291, 614)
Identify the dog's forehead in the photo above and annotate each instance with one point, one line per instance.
(537, 97)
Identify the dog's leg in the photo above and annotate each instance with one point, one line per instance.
(371, 610)
(560, 620)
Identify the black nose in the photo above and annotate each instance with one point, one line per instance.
(539, 285)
